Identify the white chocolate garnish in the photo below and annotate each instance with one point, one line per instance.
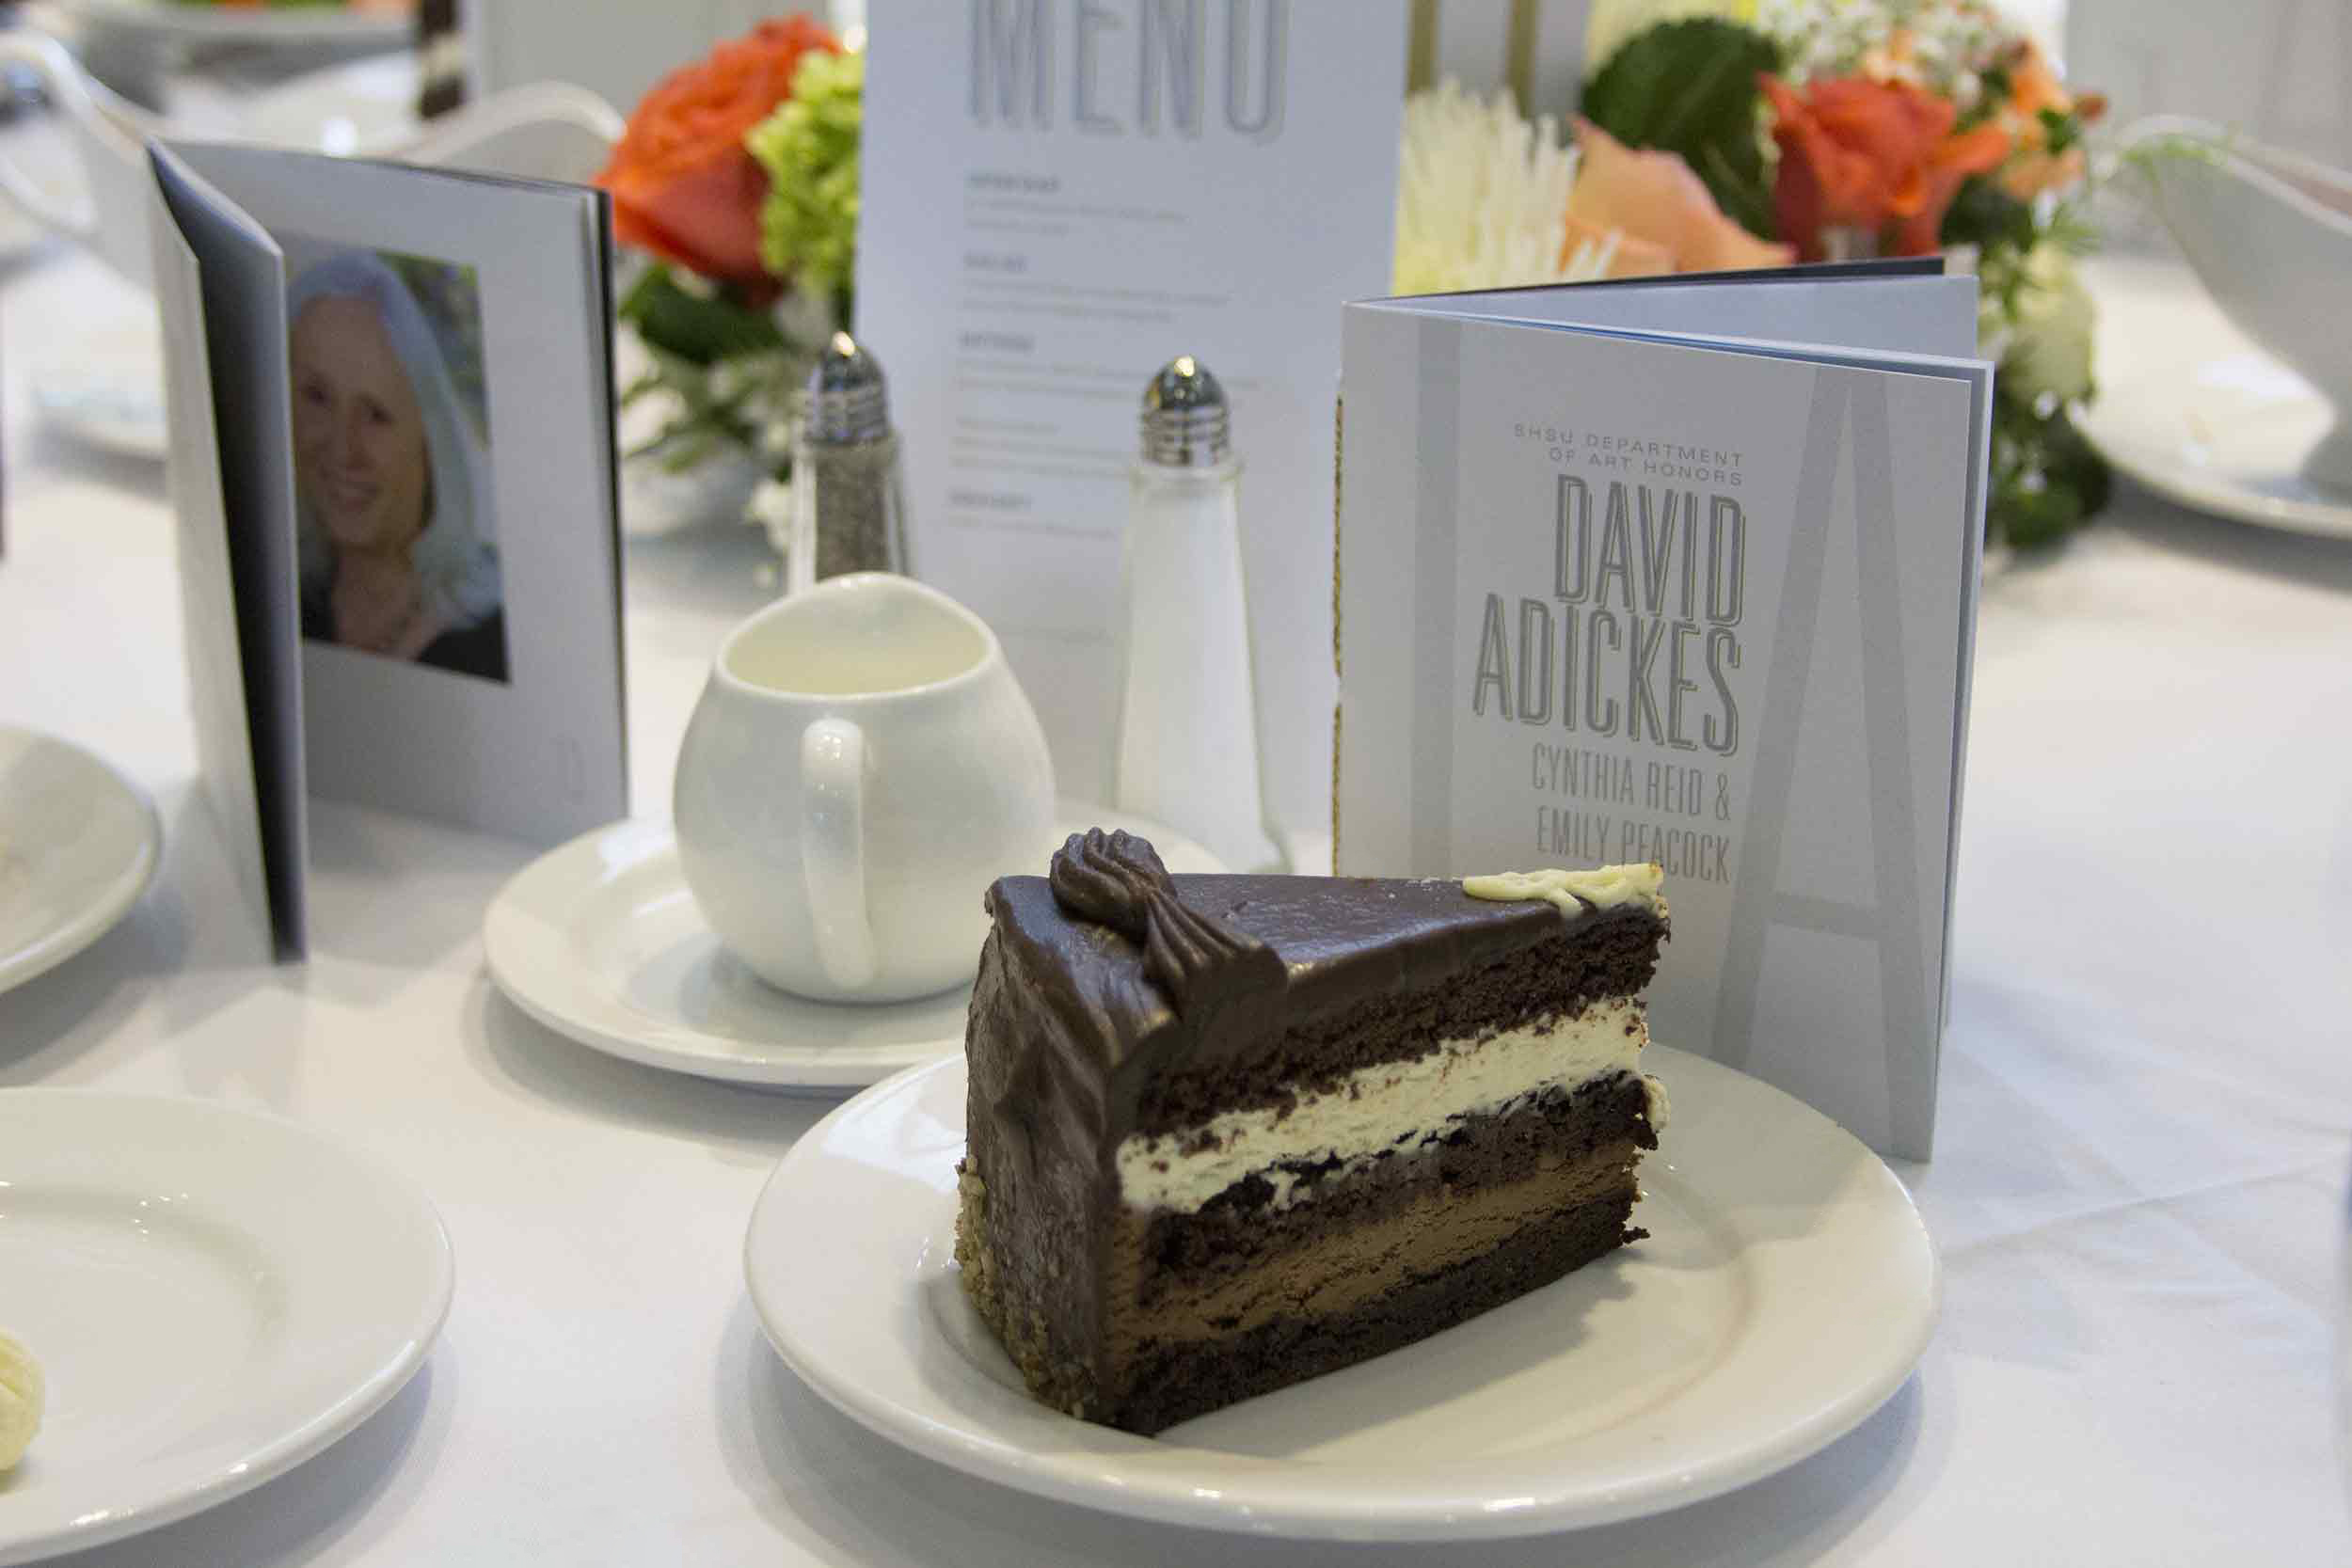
(1602, 888)
(19, 1401)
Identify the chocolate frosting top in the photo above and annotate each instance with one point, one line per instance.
(1109, 975)
(1200, 963)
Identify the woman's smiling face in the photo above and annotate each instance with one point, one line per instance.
(359, 449)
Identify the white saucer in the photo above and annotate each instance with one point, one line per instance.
(314, 26)
(1787, 1290)
(601, 941)
(110, 395)
(2226, 436)
(213, 1295)
(20, 235)
(78, 846)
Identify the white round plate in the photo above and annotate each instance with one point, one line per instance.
(1785, 1290)
(111, 396)
(2225, 435)
(78, 846)
(20, 235)
(601, 941)
(213, 1295)
(247, 25)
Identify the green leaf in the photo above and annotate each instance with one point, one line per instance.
(1689, 86)
(2047, 480)
(700, 328)
(2029, 519)
(2059, 130)
(1985, 215)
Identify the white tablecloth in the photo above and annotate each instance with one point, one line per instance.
(2146, 1092)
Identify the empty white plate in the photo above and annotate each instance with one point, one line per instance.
(2225, 435)
(345, 25)
(1785, 1290)
(601, 941)
(109, 395)
(213, 1295)
(77, 847)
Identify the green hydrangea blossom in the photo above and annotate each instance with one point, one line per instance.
(809, 147)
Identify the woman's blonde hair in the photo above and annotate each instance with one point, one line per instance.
(456, 557)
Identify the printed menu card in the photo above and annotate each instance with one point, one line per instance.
(1059, 198)
(1684, 574)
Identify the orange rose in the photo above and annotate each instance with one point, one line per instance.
(682, 184)
(1661, 212)
(2033, 86)
(1877, 156)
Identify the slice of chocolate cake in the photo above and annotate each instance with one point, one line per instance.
(1226, 1134)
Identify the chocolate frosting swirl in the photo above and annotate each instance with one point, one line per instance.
(1107, 877)
(1198, 963)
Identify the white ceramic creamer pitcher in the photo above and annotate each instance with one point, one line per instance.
(861, 765)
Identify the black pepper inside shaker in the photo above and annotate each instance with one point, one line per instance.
(849, 514)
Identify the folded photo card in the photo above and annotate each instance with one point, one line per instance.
(393, 460)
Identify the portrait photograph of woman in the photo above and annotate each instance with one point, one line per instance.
(391, 444)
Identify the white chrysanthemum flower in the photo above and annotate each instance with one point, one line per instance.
(2047, 346)
(770, 507)
(1482, 198)
(725, 380)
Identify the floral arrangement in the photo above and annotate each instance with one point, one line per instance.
(1487, 198)
(1753, 133)
(738, 176)
(1739, 134)
(1899, 128)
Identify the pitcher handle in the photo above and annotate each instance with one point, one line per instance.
(833, 850)
(106, 135)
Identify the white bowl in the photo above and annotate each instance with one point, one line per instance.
(2270, 235)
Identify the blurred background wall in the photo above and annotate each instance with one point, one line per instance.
(2280, 70)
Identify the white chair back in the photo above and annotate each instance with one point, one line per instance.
(540, 130)
(108, 213)
(543, 130)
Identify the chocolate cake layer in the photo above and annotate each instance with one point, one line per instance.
(1177, 1382)
(1238, 1229)
(1426, 1233)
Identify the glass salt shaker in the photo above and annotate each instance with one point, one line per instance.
(1186, 744)
(849, 511)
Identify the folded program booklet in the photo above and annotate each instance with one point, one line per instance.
(1682, 573)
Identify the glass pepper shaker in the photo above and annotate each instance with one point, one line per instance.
(1186, 744)
(849, 511)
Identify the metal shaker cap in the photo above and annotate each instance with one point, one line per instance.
(1185, 423)
(848, 399)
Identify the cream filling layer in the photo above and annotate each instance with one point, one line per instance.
(1397, 1104)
